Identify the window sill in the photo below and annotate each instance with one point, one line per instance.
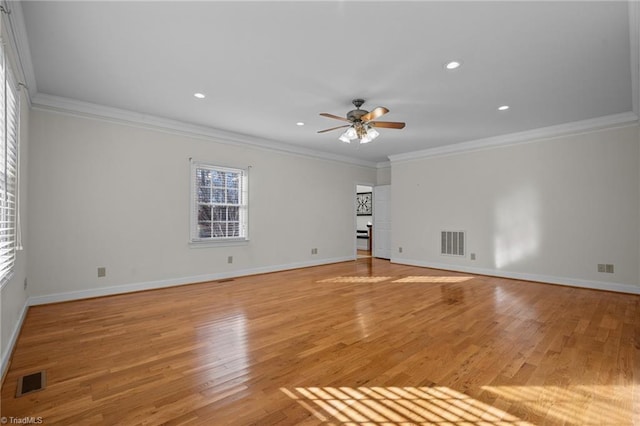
(219, 243)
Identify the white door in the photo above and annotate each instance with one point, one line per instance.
(382, 221)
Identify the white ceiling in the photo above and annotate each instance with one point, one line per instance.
(266, 65)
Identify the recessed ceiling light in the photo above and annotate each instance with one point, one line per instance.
(453, 65)
(299, 123)
(199, 95)
(503, 108)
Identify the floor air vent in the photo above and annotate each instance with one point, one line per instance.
(452, 243)
(31, 383)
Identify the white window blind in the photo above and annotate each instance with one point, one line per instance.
(9, 121)
(219, 203)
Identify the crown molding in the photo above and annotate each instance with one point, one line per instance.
(576, 127)
(120, 116)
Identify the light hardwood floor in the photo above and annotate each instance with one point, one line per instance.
(356, 343)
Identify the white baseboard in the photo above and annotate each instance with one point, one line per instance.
(151, 285)
(8, 350)
(547, 279)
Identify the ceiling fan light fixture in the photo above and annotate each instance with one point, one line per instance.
(344, 138)
(370, 135)
(351, 133)
(348, 135)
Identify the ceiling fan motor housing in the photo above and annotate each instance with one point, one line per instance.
(355, 114)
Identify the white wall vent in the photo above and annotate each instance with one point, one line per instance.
(452, 243)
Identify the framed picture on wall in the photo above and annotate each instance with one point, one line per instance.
(363, 203)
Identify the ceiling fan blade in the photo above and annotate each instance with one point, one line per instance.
(387, 124)
(333, 128)
(377, 112)
(326, 114)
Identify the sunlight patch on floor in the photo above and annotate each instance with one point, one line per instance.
(576, 405)
(355, 280)
(395, 406)
(432, 279)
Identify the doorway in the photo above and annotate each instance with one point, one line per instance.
(364, 221)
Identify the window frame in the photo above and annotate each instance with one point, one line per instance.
(195, 240)
(9, 168)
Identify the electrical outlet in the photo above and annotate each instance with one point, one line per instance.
(609, 268)
(473, 256)
(399, 249)
(25, 283)
(602, 267)
(314, 251)
(230, 259)
(102, 272)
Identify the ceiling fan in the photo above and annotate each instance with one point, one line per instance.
(362, 123)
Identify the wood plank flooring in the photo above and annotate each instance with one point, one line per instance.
(356, 343)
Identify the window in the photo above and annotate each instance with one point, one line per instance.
(9, 110)
(219, 200)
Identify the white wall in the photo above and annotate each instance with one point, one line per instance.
(383, 174)
(13, 296)
(549, 210)
(362, 222)
(110, 195)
